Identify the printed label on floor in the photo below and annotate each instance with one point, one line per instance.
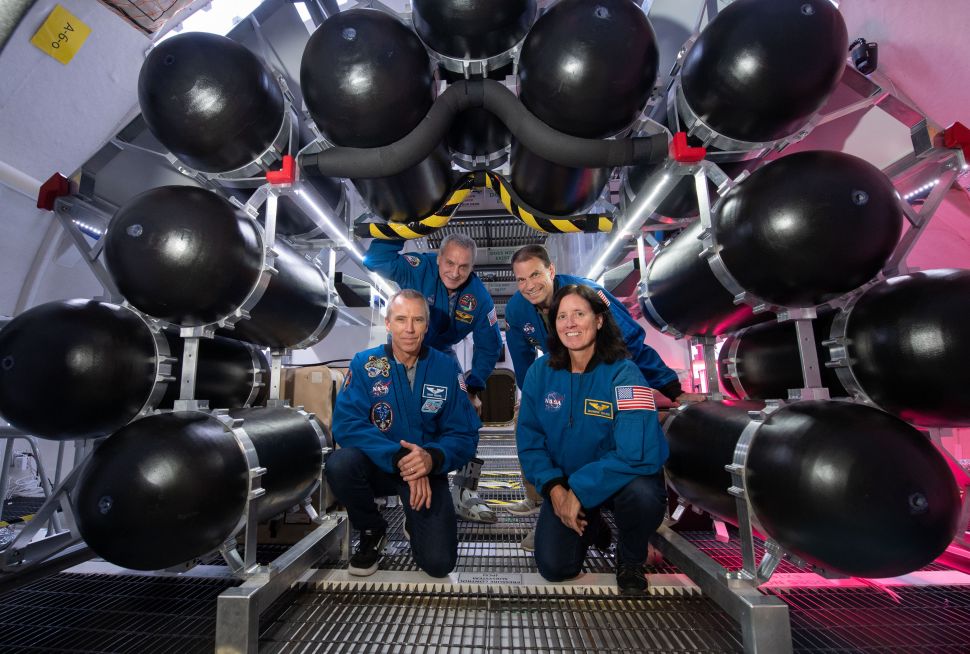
(509, 578)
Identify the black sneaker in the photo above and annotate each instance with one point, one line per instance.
(365, 560)
(630, 579)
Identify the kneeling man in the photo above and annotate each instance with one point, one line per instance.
(402, 423)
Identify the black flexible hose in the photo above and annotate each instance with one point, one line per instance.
(535, 135)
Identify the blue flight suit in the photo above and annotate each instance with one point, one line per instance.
(589, 433)
(528, 330)
(377, 409)
(571, 429)
(473, 310)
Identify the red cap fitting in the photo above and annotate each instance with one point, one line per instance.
(680, 151)
(55, 187)
(958, 136)
(285, 175)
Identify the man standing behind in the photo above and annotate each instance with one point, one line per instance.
(527, 318)
(402, 422)
(459, 305)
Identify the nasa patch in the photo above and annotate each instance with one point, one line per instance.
(430, 300)
(380, 388)
(553, 401)
(377, 366)
(529, 328)
(413, 260)
(467, 302)
(432, 406)
(381, 416)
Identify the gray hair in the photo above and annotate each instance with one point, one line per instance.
(409, 294)
(461, 240)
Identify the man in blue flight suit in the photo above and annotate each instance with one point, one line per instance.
(527, 318)
(459, 306)
(403, 421)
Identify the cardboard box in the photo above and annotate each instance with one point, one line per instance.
(314, 388)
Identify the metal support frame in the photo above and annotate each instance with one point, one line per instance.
(812, 388)
(69, 208)
(752, 570)
(707, 343)
(238, 609)
(278, 359)
(764, 620)
(947, 165)
(26, 550)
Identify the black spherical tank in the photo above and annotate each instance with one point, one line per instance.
(226, 373)
(909, 344)
(761, 68)
(586, 69)
(844, 486)
(702, 441)
(75, 369)
(183, 254)
(288, 444)
(171, 487)
(367, 82)
(472, 29)
(851, 489)
(679, 286)
(210, 101)
(806, 228)
(188, 256)
(767, 361)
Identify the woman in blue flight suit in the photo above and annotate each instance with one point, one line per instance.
(589, 438)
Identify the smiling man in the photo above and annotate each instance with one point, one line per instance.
(459, 306)
(403, 422)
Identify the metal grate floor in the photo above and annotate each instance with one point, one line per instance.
(911, 619)
(111, 613)
(129, 613)
(380, 620)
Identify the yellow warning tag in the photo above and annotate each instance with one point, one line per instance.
(61, 35)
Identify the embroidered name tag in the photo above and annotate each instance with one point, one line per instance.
(433, 392)
(598, 408)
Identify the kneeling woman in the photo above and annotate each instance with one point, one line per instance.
(588, 436)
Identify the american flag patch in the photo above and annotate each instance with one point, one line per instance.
(492, 317)
(461, 383)
(630, 398)
(603, 297)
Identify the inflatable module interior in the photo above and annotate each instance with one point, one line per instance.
(776, 191)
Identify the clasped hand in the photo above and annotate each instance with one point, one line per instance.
(415, 466)
(568, 508)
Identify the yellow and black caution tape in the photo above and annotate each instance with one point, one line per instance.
(512, 204)
(13, 521)
(508, 197)
(423, 227)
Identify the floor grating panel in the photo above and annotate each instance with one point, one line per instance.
(111, 613)
(497, 622)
